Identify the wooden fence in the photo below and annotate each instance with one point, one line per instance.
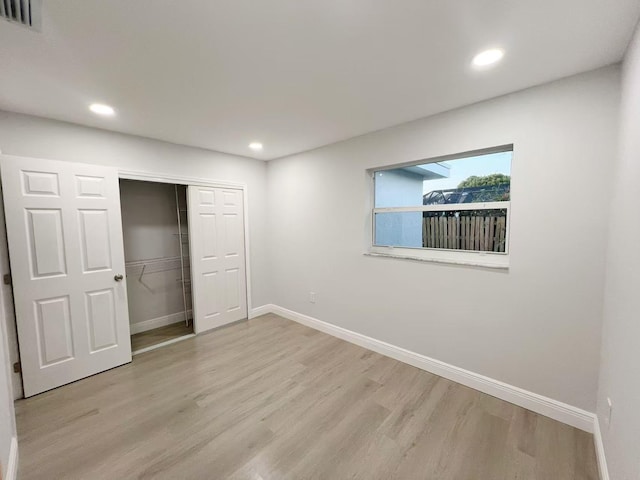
(479, 230)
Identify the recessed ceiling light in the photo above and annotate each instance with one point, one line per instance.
(488, 57)
(102, 109)
(255, 146)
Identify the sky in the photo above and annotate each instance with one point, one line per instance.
(463, 168)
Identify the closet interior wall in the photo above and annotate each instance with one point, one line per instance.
(156, 246)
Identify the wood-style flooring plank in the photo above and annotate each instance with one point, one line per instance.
(270, 399)
(158, 335)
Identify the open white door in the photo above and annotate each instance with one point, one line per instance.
(67, 263)
(216, 241)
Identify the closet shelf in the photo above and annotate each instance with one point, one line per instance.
(152, 265)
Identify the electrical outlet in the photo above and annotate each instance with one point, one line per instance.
(610, 411)
(312, 297)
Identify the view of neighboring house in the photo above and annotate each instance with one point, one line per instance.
(403, 187)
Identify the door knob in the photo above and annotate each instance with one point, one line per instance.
(118, 278)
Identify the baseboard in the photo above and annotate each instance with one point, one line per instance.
(158, 322)
(262, 310)
(12, 466)
(602, 460)
(562, 412)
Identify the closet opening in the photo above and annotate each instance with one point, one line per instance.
(157, 263)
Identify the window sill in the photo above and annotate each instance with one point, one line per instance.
(493, 262)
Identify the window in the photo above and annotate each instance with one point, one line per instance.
(452, 209)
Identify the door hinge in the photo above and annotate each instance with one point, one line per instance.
(6, 278)
(17, 367)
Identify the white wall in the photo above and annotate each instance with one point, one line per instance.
(38, 137)
(620, 368)
(149, 220)
(149, 230)
(536, 326)
(7, 416)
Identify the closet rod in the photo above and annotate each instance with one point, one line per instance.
(184, 292)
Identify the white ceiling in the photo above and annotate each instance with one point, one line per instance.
(293, 74)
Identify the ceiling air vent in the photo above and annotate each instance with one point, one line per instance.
(22, 12)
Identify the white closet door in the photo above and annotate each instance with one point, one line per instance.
(65, 246)
(216, 238)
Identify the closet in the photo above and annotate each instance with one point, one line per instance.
(99, 256)
(157, 263)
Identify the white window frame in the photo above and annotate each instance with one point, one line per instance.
(498, 260)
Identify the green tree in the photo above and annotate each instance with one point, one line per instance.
(485, 181)
(489, 188)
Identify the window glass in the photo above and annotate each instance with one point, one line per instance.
(443, 205)
(483, 178)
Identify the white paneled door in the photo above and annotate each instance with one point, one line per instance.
(216, 240)
(67, 264)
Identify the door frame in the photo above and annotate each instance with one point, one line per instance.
(204, 182)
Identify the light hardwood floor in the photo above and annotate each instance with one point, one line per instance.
(270, 399)
(159, 335)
